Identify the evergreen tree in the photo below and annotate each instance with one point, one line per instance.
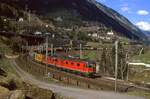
(1, 23)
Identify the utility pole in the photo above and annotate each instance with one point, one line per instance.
(51, 49)
(127, 64)
(46, 53)
(71, 44)
(80, 51)
(27, 56)
(116, 64)
(38, 48)
(22, 49)
(52, 46)
(29, 20)
(29, 17)
(26, 47)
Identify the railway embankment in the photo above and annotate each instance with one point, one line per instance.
(12, 87)
(39, 70)
(11, 84)
(72, 92)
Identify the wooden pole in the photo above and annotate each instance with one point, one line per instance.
(51, 49)
(80, 51)
(116, 64)
(46, 54)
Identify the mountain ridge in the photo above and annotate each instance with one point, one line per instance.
(89, 9)
(115, 14)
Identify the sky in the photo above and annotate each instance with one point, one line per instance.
(137, 11)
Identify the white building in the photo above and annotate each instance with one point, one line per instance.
(110, 33)
(21, 20)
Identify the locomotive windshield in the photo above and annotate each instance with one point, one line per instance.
(91, 65)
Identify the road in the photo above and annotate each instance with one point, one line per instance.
(71, 92)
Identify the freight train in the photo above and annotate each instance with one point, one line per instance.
(73, 65)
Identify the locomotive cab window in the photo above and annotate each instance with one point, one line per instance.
(78, 64)
(66, 62)
(90, 65)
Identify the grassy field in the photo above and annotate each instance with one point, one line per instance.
(91, 55)
(5, 64)
(141, 77)
(143, 57)
(140, 93)
(3, 47)
(93, 44)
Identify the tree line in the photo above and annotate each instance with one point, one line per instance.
(107, 61)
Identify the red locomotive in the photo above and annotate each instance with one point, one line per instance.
(86, 68)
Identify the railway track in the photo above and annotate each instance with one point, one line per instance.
(93, 83)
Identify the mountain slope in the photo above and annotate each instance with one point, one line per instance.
(113, 19)
(147, 33)
(121, 20)
(89, 10)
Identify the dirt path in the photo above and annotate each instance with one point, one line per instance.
(71, 92)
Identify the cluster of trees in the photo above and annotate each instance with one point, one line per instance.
(7, 24)
(79, 36)
(4, 24)
(15, 43)
(64, 18)
(107, 62)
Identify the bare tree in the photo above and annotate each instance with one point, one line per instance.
(16, 43)
(107, 63)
